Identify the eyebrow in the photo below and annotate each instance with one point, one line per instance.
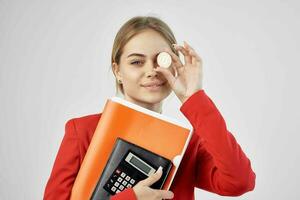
(140, 55)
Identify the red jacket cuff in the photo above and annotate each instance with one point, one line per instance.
(199, 103)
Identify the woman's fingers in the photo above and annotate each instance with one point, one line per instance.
(195, 57)
(164, 194)
(190, 55)
(143, 187)
(187, 57)
(167, 74)
(152, 178)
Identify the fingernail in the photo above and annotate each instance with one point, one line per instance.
(159, 169)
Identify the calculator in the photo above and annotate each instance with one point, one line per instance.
(128, 164)
(131, 169)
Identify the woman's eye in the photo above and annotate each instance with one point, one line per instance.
(136, 62)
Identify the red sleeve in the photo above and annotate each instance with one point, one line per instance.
(222, 166)
(127, 194)
(66, 166)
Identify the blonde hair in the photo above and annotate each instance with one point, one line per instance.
(131, 28)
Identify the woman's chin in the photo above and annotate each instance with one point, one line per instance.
(155, 97)
(148, 97)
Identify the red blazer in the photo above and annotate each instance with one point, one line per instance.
(213, 161)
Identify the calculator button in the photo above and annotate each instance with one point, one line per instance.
(120, 179)
(129, 185)
(121, 187)
(118, 171)
(113, 189)
(118, 191)
(127, 178)
(124, 182)
(123, 175)
(132, 181)
(117, 184)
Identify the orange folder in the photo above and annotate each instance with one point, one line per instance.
(155, 132)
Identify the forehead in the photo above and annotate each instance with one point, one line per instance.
(148, 42)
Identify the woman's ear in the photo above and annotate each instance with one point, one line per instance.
(116, 70)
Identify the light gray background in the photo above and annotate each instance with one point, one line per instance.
(54, 65)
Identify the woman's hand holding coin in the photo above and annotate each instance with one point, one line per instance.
(189, 76)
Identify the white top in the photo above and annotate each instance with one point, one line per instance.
(151, 113)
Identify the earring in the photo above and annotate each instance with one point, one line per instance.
(120, 81)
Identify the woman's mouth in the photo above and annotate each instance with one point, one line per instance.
(154, 86)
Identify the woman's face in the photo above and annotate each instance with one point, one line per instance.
(142, 85)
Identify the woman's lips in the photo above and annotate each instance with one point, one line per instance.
(154, 86)
(153, 83)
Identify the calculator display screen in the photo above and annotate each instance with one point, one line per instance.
(140, 165)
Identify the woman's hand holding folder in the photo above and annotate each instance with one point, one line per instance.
(143, 191)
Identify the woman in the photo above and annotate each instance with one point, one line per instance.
(213, 161)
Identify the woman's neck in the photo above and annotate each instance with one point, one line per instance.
(156, 107)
